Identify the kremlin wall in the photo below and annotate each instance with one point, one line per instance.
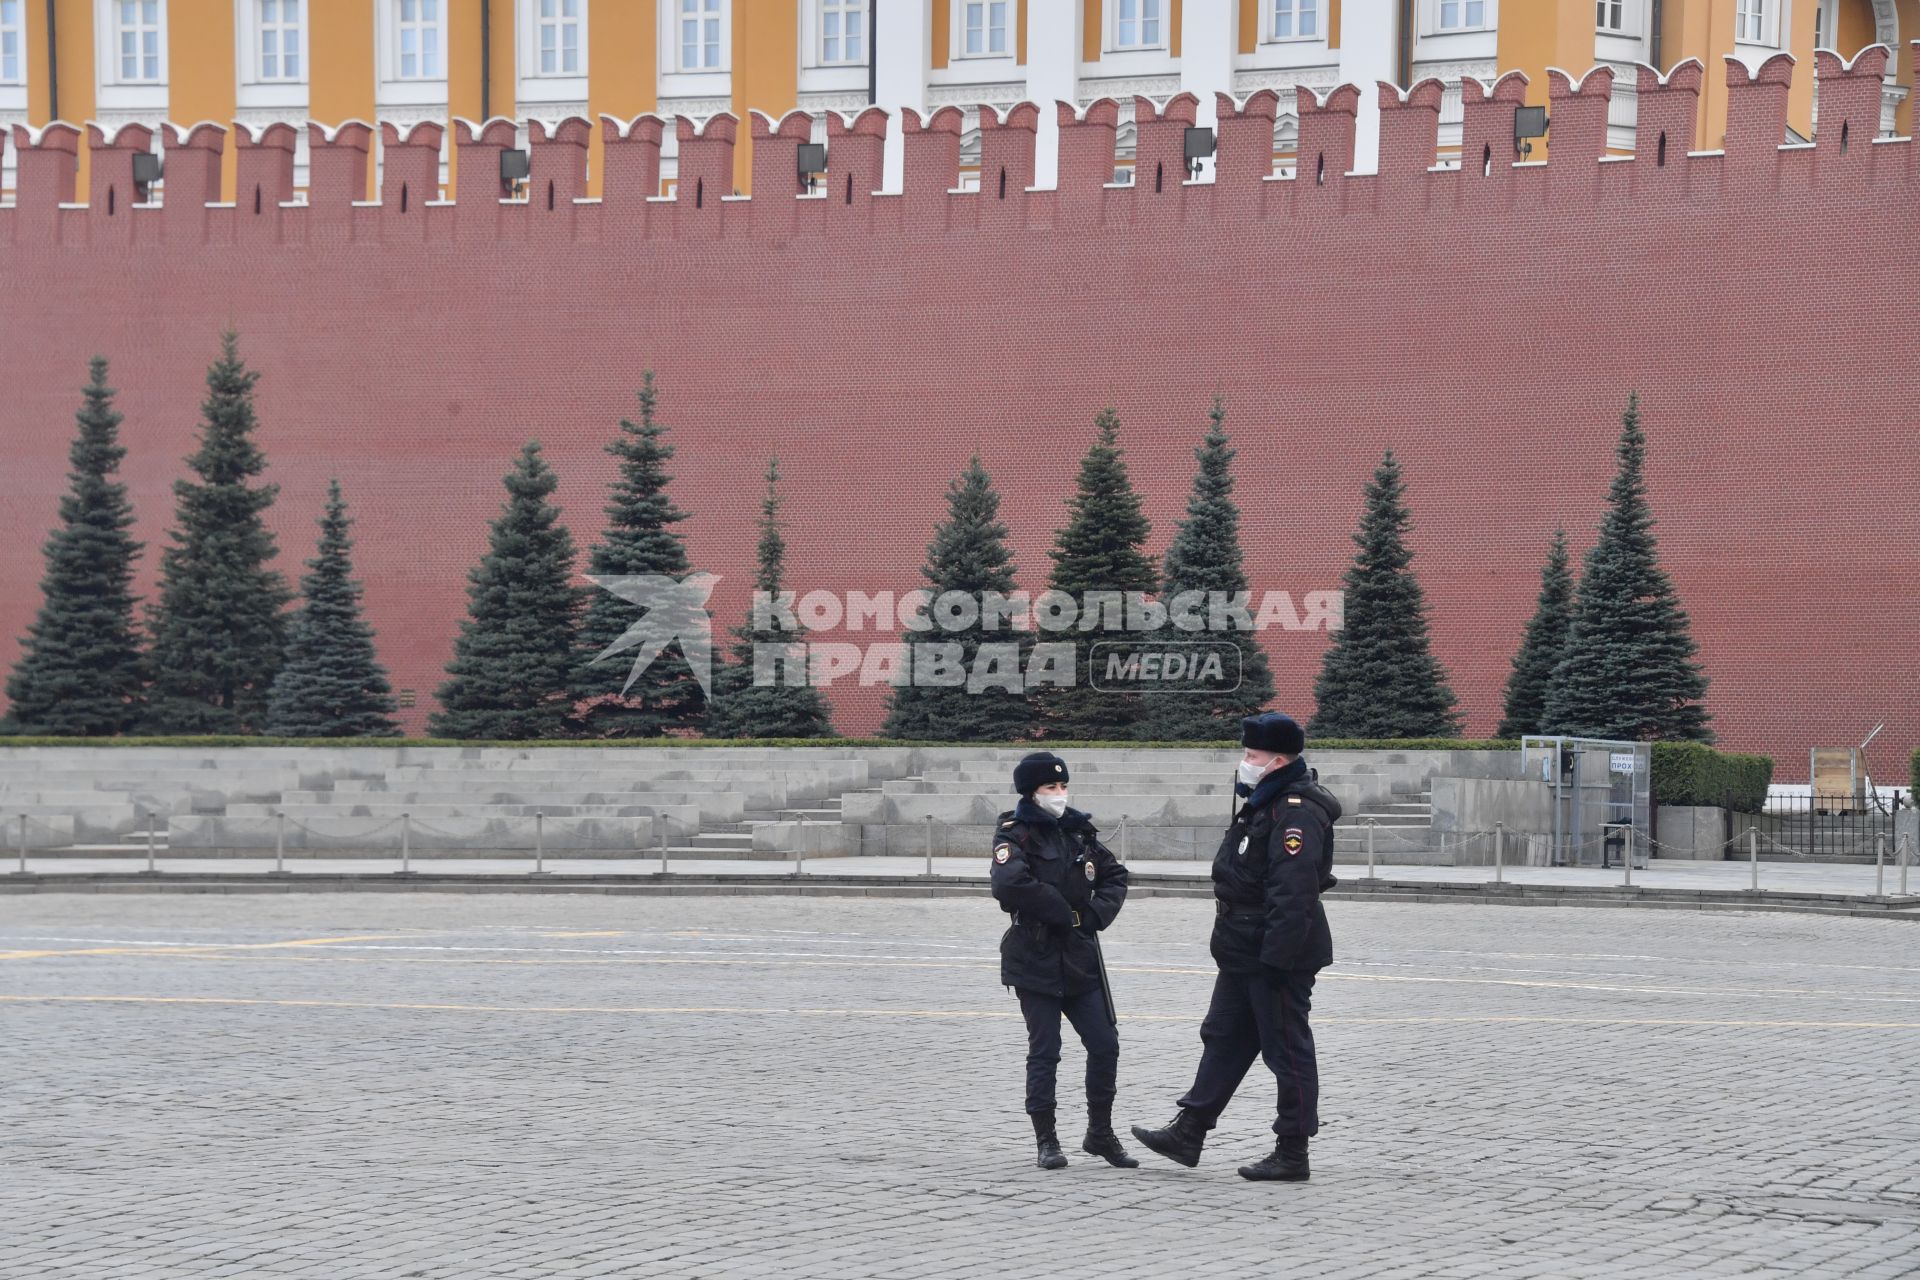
(1486, 322)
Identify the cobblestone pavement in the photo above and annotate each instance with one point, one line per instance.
(454, 1086)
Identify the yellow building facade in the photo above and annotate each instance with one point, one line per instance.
(261, 61)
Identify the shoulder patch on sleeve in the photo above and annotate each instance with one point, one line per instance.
(1001, 852)
(1293, 799)
(1293, 839)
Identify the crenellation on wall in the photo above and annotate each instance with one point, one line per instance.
(1576, 171)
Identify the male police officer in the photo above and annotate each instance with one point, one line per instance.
(1061, 886)
(1270, 937)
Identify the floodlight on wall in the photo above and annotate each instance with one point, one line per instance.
(1528, 122)
(809, 160)
(1199, 145)
(147, 168)
(514, 167)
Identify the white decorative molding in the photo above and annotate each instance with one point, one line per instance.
(821, 101)
(1159, 88)
(1280, 79)
(692, 108)
(968, 96)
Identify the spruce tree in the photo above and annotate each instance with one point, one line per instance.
(1628, 671)
(741, 708)
(514, 656)
(1541, 648)
(969, 555)
(332, 684)
(80, 669)
(1380, 678)
(218, 629)
(1205, 557)
(1098, 551)
(640, 540)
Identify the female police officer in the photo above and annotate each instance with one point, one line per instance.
(1061, 886)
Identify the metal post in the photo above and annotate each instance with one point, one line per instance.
(151, 868)
(279, 842)
(799, 850)
(1123, 838)
(1371, 874)
(1879, 864)
(539, 842)
(1627, 862)
(666, 856)
(929, 844)
(1499, 852)
(1905, 855)
(1753, 857)
(23, 844)
(406, 843)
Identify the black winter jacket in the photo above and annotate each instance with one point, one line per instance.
(1268, 875)
(1045, 870)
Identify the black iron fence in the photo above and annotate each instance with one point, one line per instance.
(1830, 827)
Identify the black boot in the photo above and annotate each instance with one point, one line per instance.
(1051, 1157)
(1101, 1140)
(1180, 1141)
(1288, 1163)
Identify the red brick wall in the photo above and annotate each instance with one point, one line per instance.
(1486, 327)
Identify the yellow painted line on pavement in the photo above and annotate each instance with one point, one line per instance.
(776, 1011)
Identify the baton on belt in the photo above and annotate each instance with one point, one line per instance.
(1106, 988)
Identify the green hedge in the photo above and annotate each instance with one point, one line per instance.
(1691, 773)
(237, 740)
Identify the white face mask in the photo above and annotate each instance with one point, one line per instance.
(1055, 805)
(1251, 773)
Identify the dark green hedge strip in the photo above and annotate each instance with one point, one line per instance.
(1318, 744)
(1693, 773)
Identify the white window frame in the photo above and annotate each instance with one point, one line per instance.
(1009, 18)
(397, 25)
(532, 23)
(1825, 14)
(1756, 22)
(1436, 12)
(17, 29)
(1162, 17)
(1620, 12)
(840, 11)
(252, 32)
(107, 14)
(717, 11)
(1296, 8)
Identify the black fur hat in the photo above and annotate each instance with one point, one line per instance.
(1272, 731)
(1037, 770)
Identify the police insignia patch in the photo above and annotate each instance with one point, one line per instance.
(1293, 840)
(1002, 852)
(1089, 871)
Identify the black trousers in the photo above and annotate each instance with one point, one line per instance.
(1260, 1015)
(1088, 1014)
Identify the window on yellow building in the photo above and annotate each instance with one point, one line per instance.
(1136, 24)
(1823, 25)
(280, 40)
(1462, 15)
(983, 28)
(1750, 21)
(1612, 15)
(137, 40)
(700, 35)
(9, 41)
(557, 33)
(1296, 19)
(843, 32)
(419, 42)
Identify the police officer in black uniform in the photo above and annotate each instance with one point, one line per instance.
(1270, 938)
(1062, 886)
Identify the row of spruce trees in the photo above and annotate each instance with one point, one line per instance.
(224, 655)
